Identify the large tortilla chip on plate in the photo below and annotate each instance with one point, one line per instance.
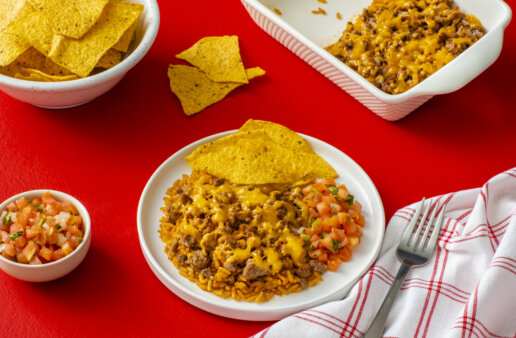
(217, 56)
(280, 134)
(290, 139)
(321, 169)
(196, 91)
(70, 18)
(251, 158)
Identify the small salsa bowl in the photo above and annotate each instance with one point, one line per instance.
(56, 269)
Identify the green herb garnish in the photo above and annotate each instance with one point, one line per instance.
(42, 221)
(336, 245)
(58, 226)
(7, 218)
(333, 189)
(79, 239)
(16, 235)
(38, 207)
(315, 222)
(351, 199)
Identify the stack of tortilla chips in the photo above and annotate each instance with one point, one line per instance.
(261, 152)
(218, 70)
(60, 40)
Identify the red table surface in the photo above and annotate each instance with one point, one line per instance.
(104, 152)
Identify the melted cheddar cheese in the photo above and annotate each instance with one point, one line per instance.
(227, 235)
(396, 44)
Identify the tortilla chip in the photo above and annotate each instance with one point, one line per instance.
(36, 75)
(290, 139)
(34, 29)
(70, 18)
(280, 134)
(196, 91)
(123, 44)
(78, 55)
(321, 169)
(110, 59)
(219, 57)
(11, 46)
(32, 58)
(11, 10)
(81, 56)
(251, 158)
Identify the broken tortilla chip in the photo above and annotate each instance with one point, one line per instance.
(196, 91)
(70, 18)
(217, 56)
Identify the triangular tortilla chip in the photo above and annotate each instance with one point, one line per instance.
(217, 56)
(196, 91)
(70, 18)
(290, 139)
(11, 46)
(251, 158)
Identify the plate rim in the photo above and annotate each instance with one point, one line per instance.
(259, 314)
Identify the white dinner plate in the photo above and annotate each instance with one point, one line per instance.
(334, 286)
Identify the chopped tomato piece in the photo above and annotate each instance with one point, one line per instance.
(333, 263)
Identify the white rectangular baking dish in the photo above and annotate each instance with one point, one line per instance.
(306, 35)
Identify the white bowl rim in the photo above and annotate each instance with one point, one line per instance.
(130, 61)
(60, 195)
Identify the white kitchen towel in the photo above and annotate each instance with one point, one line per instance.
(467, 289)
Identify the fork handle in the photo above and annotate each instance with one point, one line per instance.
(376, 328)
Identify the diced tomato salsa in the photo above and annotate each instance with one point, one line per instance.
(336, 222)
(39, 231)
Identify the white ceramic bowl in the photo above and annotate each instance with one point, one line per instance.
(59, 268)
(305, 34)
(76, 92)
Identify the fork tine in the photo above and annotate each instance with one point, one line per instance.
(416, 239)
(437, 229)
(412, 223)
(421, 245)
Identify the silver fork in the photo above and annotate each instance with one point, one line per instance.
(413, 250)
